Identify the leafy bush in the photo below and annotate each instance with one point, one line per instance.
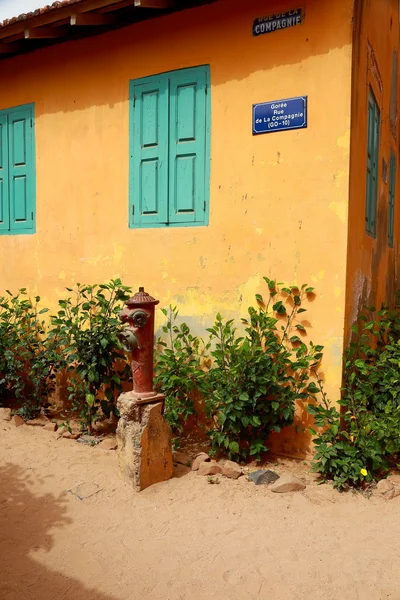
(87, 326)
(255, 380)
(356, 444)
(178, 369)
(29, 356)
(251, 381)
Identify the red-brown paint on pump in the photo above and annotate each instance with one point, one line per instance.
(139, 314)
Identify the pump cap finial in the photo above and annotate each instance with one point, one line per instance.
(141, 298)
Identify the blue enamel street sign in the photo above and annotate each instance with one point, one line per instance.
(280, 115)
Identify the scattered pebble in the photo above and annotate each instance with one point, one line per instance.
(89, 440)
(200, 458)
(209, 468)
(231, 469)
(50, 427)
(18, 421)
(263, 477)
(288, 483)
(71, 435)
(108, 444)
(40, 421)
(389, 488)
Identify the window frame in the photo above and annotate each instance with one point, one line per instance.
(392, 197)
(371, 195)
(131, 202)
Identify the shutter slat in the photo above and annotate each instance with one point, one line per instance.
(4, 201)
(149, 153)
(392, 187)
(188, 145)
(372, 165)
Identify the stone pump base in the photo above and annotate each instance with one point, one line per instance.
(144, 440)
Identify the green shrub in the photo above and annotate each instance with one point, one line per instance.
(252, 381)
(256, 379)
(87, 326)
(29, 355)
(178, 369)
(356, 444)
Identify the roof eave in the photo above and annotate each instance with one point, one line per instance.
(72, 19)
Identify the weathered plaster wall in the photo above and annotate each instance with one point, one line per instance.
(278, 201)
(372, 276)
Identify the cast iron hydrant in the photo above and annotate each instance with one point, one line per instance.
(143, 435)
(138, 339)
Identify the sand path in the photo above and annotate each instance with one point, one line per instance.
(180, 540)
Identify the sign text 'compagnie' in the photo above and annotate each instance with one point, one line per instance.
(291, 18)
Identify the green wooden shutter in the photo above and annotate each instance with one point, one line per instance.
(4, 204)
(392, 188)
(372, 165)
(21, 169)
(188, 145)
(149, 153)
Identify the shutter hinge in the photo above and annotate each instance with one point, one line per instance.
(133, 209)
(31, 123)
(134, 101)
(206, 89)
(32, 215)
(205, 206)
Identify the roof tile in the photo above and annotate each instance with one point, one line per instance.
(39, 11)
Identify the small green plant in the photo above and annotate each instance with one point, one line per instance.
(29, 355)
(176, 443)
(65, 423)
(213, 480)
(256, 379)
(358, 440)
(178, 369)
(87, 325)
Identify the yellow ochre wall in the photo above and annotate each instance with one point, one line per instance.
(278, 202)
(372, 276)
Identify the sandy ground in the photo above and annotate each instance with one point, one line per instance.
(184, 539)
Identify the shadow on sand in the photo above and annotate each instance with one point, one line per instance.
(26, 525)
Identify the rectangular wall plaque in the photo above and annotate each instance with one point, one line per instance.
(291, 18)
(280, 115)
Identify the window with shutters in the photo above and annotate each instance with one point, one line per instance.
(372, 164)
(170, 149)
(17, 170)
(392, 188)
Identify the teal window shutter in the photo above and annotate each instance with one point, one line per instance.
(21, 169)
(188, 150)
(17, 170)
(170, 149)
(149, 152)
(4, 202)
(372, 165)
(392, 188)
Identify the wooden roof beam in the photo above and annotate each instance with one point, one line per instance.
(9, 48)
(63, 13)
(52, 16)
(90, 19)
(160, 4)
(44, 33)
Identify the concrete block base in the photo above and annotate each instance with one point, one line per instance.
(144, 442)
